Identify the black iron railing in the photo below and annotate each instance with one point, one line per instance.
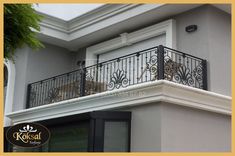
(148, 65)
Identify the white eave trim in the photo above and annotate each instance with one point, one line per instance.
(70, 30)
(150, 92)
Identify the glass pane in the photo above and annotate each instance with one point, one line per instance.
(116, 136)
(69, 138)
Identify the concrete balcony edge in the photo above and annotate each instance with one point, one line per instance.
(141, 94)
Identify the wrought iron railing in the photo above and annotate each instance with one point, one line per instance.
(148, 65)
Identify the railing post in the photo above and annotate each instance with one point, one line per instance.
(28, 96)
(83, 82)
(204, 74)
(160, 62)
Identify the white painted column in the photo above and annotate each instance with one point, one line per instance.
(10, 91)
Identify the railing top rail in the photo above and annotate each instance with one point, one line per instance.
(130, 54)
(183, 53)
(55, 76)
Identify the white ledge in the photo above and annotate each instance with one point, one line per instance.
(150, 92)
(110, 19)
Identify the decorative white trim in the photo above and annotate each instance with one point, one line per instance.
(69, 34)
(99, 14)
(167, 27)
(10, 90)
(70, 30)
(150, 92)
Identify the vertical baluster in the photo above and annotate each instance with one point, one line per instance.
(62, 87)
(146, 70)
(43, 92)
(36, 91)
(70, 83)
(180, 58)
(176, 60)
(57, 86)
(100, 81)
(93, 85)
(28, 104)
(122, 63)
(75, 84)
(79, 78)
(111, 70)
(126, 68)
(36, 95)
(160, 62)
(83, 82)
(150, 73)
(40, 91)
(103, 81)
(129, 70)
(34, 101)
(204, 74)
(191, 63)
(52, 89)
(142, 67)
(77, 88)
(114, 66)
(46, 92)
(67, 86)
(107, 76)
(54, 86)
(133, 70)
(137, 55)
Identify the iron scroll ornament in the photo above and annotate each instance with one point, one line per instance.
(198, 74)
(184, 76)
(118, 80)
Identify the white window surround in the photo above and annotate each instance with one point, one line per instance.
(145, 93)
(126, 39)
(10, 90)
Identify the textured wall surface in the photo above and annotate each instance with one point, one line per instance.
(162, 127)
(212, 41)
(32, 66)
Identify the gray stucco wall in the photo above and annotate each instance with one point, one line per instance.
(146, 128)
(163, 127)
(191, 130)
(142, 45)
(48, 62)
(32, 66)
(212, 41)
(20, 89)
(78, 56)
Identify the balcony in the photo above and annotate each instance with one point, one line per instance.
(151, 64)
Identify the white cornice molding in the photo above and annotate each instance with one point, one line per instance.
(94, 16)
(101, 20)
(150, 92)
(70, 30)
(97, 15)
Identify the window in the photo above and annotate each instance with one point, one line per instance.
(99, 131)
(115, 136)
